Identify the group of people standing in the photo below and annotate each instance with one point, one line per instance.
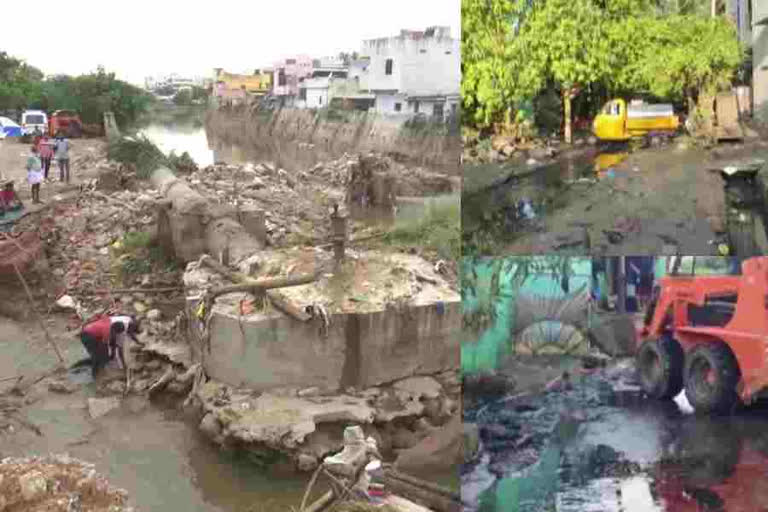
(43, 151)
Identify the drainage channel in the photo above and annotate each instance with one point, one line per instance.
(603, 446)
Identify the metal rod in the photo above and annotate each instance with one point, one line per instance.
(37, 314)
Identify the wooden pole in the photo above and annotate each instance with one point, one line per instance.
(37, 314)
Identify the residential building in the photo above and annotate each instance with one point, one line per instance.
(760, 60)
(287, 75)
(416, 72)
(258, 84)
(317, 90)
(740, 12)
(335, 62)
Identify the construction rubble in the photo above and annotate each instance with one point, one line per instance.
(56, 483)
(305, 425)
(93, 247)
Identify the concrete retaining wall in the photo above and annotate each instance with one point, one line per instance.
(360, 350)
(298, 138)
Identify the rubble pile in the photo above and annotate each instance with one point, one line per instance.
(297, 205)
(367, 281)
(305, 425)
(57, 483)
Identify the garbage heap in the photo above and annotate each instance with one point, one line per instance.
(57, 483)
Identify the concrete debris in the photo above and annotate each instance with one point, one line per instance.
(98, 407)
(282, 423)
(296, 205)
(56, 482)
(372, 281)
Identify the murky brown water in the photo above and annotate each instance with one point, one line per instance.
(155, 453)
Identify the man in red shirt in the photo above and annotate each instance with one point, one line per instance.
(103, 339)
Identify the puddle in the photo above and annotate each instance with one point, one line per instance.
(644, 457)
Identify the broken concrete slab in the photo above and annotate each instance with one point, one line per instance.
(98, 407)
(419, 387)
(281, 422)
(406, 316)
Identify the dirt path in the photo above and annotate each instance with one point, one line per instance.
(13, 158)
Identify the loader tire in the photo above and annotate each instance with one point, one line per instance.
(711, 376)
(660, 367)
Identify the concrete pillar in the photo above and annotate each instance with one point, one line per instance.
(339, 234)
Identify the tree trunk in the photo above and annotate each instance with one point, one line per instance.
(567, 113)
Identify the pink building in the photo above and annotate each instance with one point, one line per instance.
(288, 73)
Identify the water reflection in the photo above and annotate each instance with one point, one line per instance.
(181, 138)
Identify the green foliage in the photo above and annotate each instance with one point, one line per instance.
(138, 151)
(182, 163)
(513, 49)
(22, 86)
(700, 55)
(142, 153)
(183, 97)
(439, 229)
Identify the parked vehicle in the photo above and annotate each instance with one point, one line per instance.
(66, 121)
(33, 121)
(708, 334)
(619, 121)
(9, 128)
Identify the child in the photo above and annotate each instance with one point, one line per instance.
(34, 174)
(9, 201)
(46, 154)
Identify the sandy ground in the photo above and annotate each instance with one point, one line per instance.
(13, 158)
(658, 198)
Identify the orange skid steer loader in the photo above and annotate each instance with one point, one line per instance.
(709, 335)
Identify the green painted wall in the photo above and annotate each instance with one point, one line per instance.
(484, 351)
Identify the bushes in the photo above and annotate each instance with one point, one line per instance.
(439, 229)
(142, 153)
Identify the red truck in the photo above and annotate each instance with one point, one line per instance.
(65, 121)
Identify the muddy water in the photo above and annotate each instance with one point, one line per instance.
(181, 138)
(629, 455)
(154, 452)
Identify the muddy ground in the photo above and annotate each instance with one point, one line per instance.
(602, 446)
(603, 200)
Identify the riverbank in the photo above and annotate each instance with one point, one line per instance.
(300, 138)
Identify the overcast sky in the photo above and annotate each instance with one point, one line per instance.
(149, 37)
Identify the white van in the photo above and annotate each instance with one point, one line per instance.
(32, 121)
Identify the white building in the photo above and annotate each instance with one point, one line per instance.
(317, 90)
(760, 59)
(417, 72)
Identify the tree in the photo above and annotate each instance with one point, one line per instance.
(183, 97)
(496, 70)
(565, 40)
